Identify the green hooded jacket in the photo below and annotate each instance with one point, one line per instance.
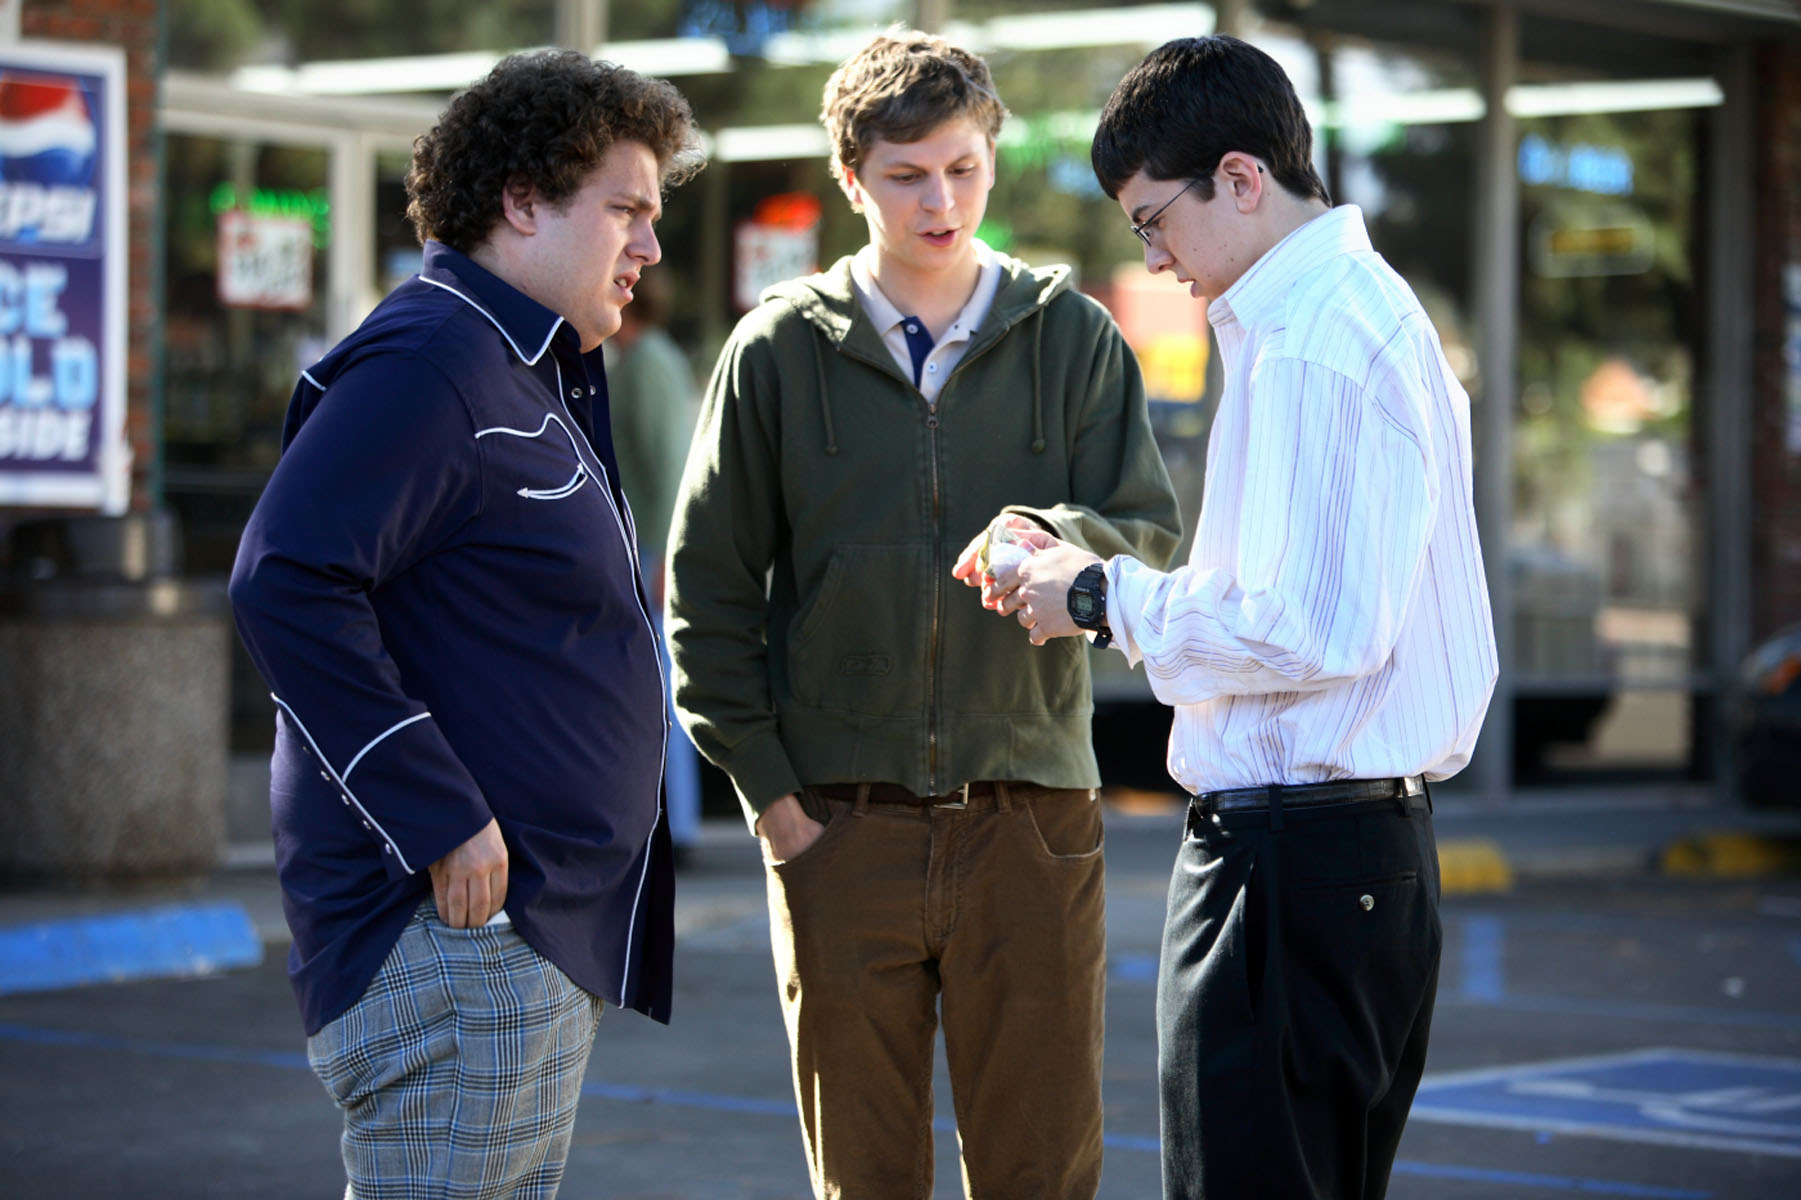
(817, 634)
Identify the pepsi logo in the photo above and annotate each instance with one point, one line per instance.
(47, 133)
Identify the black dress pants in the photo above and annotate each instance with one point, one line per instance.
(1294, 999)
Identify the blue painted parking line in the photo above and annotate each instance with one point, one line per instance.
(1132, 968)
(1478, 976)
(176, 940)
(1556, 1183)
(1665, 1097)
(784, 1108)
(1484, 942)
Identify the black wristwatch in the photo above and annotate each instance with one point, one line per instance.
(1088, 604)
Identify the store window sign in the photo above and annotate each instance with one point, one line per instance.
(1603, 170)
(265, 262)
(780, 241)
(62, 278)
(313, 207)
(1611, 239)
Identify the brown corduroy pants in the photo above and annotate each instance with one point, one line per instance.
(992, 915)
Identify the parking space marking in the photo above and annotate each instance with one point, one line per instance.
(784, 1108)
(1484, 942)
(1563, 1183)
(1669, 1097)
(168, 941)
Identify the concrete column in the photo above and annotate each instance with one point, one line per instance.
(350, 290)
(581, 24)
(931, 15)
(1497, 296)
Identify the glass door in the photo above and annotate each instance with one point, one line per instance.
(1609, 578)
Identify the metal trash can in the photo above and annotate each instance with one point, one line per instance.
(113, 704)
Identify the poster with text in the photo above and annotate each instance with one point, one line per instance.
(62, 278)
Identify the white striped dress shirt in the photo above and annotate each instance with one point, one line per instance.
(1332, 621)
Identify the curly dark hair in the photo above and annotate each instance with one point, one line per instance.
(1193, 101)
(547, 117)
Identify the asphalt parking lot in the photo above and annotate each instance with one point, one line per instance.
(1636, 1036)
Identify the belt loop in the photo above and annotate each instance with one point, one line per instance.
(861, 806)
(1426, 788)
(1003, 798)
(1275, 808)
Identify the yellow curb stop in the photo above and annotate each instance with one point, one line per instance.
(1731, 856)
(1470, 866)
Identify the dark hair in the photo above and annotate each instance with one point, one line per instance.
(900, 87)
(548, 118)
(1195, 100)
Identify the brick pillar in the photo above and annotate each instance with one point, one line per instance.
(131, 25)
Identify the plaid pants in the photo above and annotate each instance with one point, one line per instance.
(459, 1068)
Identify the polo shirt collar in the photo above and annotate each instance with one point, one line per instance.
(1256, 300)
(528, 326)
(885, 316)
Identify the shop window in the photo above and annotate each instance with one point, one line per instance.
(245, 277)
(1604, 538)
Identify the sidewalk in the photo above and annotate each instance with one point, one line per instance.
(53, 936)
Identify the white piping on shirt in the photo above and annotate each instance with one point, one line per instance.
(631, 548)
(342, 785)
(581, 468)
(538, 432)
(568, 489)
(395, 728)
(624, 523)
(530, 361)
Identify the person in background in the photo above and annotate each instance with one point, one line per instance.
(923, 781)
(651, 391)
(440, 589)
(1328, 648)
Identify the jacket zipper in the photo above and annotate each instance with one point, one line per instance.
(975, 351)
(937, 603)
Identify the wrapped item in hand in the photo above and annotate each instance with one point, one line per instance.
(1002, 550)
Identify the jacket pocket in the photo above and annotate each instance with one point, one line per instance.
(860, 645)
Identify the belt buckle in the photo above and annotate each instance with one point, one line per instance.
(962, 800)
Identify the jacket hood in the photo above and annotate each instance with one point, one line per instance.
(828, 300)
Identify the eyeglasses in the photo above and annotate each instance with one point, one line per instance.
(1143, 228)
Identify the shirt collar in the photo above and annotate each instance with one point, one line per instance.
(528, 326)
(1257, 298)
(884, 316)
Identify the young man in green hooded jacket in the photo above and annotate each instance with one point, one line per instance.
(922, 778)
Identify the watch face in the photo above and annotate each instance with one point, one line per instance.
(1081, 606)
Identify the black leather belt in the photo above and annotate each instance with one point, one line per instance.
(1411, 789)
(894, 793)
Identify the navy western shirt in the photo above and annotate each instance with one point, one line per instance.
(441, 589)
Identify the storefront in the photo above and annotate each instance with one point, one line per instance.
(1567, 186)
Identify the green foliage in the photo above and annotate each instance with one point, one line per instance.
(212, 35)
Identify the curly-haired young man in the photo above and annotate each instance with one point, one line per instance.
(441, 588)
(923, 781)
(1328, 648)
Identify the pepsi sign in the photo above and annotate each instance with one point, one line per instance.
(62, 277)
(48, 144)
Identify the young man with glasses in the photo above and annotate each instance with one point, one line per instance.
(922, 779)
(1328, 648)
